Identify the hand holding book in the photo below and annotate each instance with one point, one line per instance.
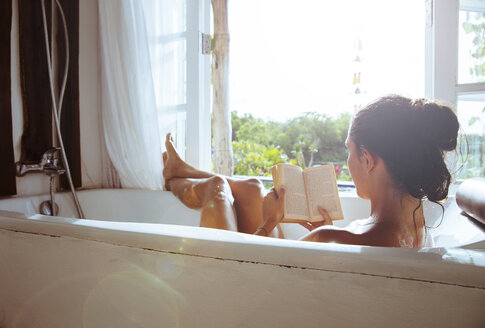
(307, 191)
(326, 220)
(273, 213)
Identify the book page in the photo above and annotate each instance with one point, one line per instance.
(322, 190)
(295, 199)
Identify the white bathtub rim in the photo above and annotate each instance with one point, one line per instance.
(456, 266)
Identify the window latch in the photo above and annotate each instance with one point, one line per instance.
(205, 44)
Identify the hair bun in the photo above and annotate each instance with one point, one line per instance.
(411, 137)
(436, 123)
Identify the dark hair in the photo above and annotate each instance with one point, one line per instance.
(411, 136)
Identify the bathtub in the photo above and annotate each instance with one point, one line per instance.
(140, 260)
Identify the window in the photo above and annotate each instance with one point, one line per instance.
(471, 38)
(458, 60)
(471, 86)
(324, 58)
(181, 74)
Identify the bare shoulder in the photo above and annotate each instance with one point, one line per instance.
(330, 234)
(361, 226)
(370, 236)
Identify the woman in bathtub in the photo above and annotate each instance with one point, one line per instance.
(396, 152)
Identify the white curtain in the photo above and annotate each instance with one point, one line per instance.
(166, 22)
(129, 111)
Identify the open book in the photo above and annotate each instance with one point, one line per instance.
(306, 190)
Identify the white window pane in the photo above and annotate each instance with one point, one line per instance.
(471, 55)
(166, 25)
(289, 57)
(166, 17)
(471, 114)
(169, 65)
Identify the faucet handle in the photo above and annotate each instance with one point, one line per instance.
(48, 164)
(22, 169)
(49, 156)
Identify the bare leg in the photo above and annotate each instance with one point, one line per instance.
(195, 189)
(212, 195)
(248, 202)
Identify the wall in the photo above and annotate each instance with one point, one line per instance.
(89, 89)
(90, 94)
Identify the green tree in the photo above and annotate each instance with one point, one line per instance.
(256, 131)
(237, 121)
(254, 159)
(308, 139)
(476, 24)
(315, 138)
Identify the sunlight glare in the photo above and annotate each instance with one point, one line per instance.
(289, 57)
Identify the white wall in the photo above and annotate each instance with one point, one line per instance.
(89, 102)
(90, 94)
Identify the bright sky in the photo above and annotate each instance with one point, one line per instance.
(288, 57)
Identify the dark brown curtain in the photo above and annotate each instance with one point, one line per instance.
(38, 132)
(7, 165)
(34, 79)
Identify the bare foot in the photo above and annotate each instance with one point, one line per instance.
(175, 167)
(172, 163)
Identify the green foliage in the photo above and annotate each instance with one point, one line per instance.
(315, 138)
(477, 27)
(256, 132)
(474, 145)
(476, 118)
(471, 154)
(307, 140)
(473, 120)
(254, 159)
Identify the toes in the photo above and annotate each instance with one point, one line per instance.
(170, 147)
(169, 138)
(169, 142)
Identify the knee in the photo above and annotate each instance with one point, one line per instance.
(255, 186)
(217, 182)
(219, 189)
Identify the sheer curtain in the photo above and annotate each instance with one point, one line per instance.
(129, 106)
(166, 22)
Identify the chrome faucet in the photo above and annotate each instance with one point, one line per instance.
(48, 164)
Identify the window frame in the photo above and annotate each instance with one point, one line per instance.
(198, 109)
(441, 53)
(441, 61)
